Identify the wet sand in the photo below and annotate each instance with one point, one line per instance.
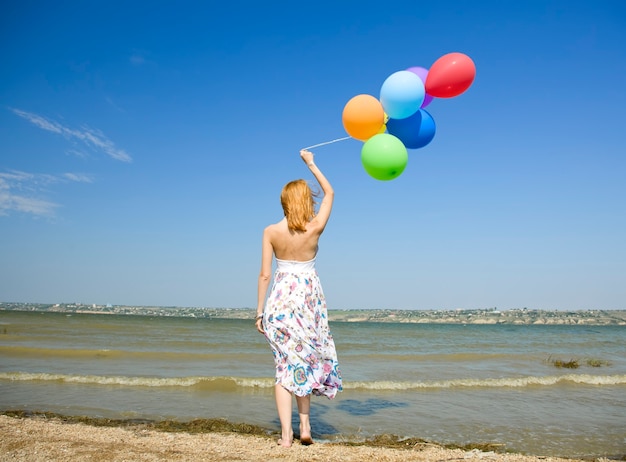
(44, 438)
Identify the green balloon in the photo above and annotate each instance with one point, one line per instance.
(384, 157)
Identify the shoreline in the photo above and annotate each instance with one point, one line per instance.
(490, 316)
(42, 436)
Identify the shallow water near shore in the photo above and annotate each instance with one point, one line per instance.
(444, 383)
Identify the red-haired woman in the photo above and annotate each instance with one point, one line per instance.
(294, 317)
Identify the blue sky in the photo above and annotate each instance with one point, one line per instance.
(143, 146)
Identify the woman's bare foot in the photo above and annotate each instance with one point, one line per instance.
(305, 436)
(306, 440)
(286, 442)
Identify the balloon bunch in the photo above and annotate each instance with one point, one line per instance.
(398, 120)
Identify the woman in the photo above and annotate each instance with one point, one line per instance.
(294, 320)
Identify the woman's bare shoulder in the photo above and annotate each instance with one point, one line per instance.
(276, 227)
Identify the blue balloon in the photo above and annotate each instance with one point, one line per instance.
(402, 94)
(415, 131)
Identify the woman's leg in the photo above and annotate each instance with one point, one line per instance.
(304, 410)
(284, 406)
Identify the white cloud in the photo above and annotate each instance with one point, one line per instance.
(40, 121)
(38, 207)
(79, 177)
(93, 139)
(17, 193)
(24, 192)
(114, 105)
(77, 153)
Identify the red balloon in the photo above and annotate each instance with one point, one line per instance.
(450, 75)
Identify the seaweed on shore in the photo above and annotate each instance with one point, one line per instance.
(397, 442)
(224, 426)
(193, 426)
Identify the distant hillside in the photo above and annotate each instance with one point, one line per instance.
(485, 316)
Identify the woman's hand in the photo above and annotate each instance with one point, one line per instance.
(259, 325)
(307, 157)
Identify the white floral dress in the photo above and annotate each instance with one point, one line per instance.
(296, 326)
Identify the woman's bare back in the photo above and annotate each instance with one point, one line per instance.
(293, 245)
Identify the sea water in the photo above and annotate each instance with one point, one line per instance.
(446, 383)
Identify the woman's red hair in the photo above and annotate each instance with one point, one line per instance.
(298, 204)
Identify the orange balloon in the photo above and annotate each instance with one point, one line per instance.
(363, 116)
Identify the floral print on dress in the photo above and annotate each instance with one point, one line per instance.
(296, 327)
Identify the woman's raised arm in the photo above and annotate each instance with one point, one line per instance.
(323, 213)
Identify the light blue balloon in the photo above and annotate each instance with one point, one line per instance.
(415, 131)
(402, 94)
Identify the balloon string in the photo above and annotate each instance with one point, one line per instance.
(327, 142)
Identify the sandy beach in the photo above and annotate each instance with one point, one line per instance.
(41, 438)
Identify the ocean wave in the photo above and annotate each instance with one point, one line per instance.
(130, 381)
(234, 383)
(507, 382)
(223, 383)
